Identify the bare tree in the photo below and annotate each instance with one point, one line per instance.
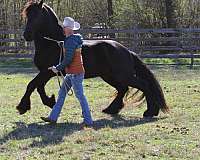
(113, 13)
(110, 11)
(171, 13)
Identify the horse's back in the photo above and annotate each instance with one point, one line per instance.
(108, 56)
(99, 42)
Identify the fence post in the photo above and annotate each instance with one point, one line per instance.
(135, 40)
(190, 44)
(192, 59)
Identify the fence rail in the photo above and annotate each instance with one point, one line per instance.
(147, 43)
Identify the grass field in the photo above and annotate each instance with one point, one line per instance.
(126, 136)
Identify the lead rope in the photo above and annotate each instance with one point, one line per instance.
(60, 44)
(63, 78)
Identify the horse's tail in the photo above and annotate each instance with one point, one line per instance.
(152, 85)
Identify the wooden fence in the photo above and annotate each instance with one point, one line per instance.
(147, 43)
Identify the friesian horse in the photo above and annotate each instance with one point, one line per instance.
(107, 59)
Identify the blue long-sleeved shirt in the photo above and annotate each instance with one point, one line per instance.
(71, 43)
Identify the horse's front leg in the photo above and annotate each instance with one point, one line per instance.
(46, 100)
(25, 103)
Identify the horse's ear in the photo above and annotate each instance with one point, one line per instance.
(41, 3)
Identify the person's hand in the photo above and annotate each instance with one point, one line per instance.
(53, 68)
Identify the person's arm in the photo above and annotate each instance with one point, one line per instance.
(70, 47)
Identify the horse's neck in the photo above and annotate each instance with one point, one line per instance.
(53, 30)
(40, 43)
(55, 33)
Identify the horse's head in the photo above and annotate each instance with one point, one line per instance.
(33, 12)
(41, 20)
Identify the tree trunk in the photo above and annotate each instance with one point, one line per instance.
(110, 11)
(110, 14)
(171, 13)
(110, 8)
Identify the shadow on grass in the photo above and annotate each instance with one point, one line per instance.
(54, 134)
(18, 71)
(17, 65)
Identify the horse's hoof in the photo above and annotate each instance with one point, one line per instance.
(150, 113)
(20, 110)
(52, 101)
(148, 117)
(111, 112)
(23, 106)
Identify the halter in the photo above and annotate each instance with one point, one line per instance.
(60, 44)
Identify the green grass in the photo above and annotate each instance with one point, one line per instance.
(127, 136)
(171, 61)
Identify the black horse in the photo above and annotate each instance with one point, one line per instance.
(107, 59)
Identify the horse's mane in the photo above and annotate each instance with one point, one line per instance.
(51, 11)
(27, 6)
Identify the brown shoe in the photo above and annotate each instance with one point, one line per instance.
(46, 119)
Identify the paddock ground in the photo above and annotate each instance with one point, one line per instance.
(126, 136)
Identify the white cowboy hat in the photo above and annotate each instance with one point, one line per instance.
(70, 23)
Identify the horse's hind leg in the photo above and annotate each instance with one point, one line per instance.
(117, 104)
(143, 86)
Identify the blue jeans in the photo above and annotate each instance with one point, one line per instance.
(75, 81)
